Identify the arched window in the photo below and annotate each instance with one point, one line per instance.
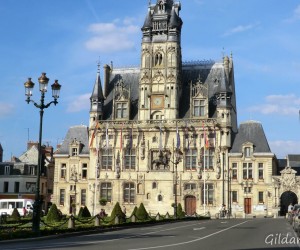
(146, 61)
(158, 59)
(159, 197)
(171, 60)
(154, 185)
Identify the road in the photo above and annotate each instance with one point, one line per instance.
(265, 233)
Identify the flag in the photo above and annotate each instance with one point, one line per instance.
(130, 138)
(186, 135)
(178, 137)
(206, 142)
(106, 135)
(215, 137)
(94, 133)
(160, 138)
(121, 138)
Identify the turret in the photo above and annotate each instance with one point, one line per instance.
(97, 100)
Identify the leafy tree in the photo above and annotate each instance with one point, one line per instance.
(141, 212)
(54, 214)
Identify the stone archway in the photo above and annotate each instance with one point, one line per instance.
(286, 199)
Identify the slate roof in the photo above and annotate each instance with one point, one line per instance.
(30, 156)
(80, 133)
(211, 74)
(251, 131)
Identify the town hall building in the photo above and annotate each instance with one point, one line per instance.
(166, 133)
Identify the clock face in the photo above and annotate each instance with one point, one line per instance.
(157, 102)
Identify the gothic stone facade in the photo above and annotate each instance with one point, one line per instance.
(161, 134)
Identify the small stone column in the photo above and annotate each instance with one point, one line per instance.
(97, 221)
(71, 222)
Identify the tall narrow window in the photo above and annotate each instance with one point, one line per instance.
(32, 170)
(234, 196)
(234, 171)
(247, 151)
(129, 192)
(191, 159)
(74, 151)
(121, 110)
(209, 194)
(63, 170)
(207, 157)
(130, 159)
(5, 187)
(107, 159)
(17, 187)
(261, 197)
(105, 191)
(247, 171)
(198, 107)
(83, 197)
(7, 170)
(62, 197)
(260, 171)
(84, 171)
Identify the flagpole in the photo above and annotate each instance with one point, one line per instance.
(204, 176)
(96, 170)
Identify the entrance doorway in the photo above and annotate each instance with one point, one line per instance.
(190, 205)
(247, 205)
(286, 199)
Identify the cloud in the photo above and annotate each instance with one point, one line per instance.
(112, 37)
(79, 103)
(5, 109)
(278, 104)
(296, 15)
(240, 29)
(283, 148)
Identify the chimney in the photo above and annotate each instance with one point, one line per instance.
(106, 79)
(30, 144)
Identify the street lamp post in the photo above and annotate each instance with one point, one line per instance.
(164, 159)
(178, 158)
(43, 83)
(223, 186)
(75, 179)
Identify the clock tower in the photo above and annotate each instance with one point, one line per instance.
(160, 79)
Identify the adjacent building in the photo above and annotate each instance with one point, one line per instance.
(18, 176)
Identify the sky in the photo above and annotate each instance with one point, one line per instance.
(66, 39)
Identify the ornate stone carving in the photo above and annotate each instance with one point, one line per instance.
(288, 179)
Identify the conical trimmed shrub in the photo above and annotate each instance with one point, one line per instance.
(85, 213)
(80, 212)
(117, 211)
(179, 211)
(141, 213)
(54, 214)
(15, 215)
(134, 211)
